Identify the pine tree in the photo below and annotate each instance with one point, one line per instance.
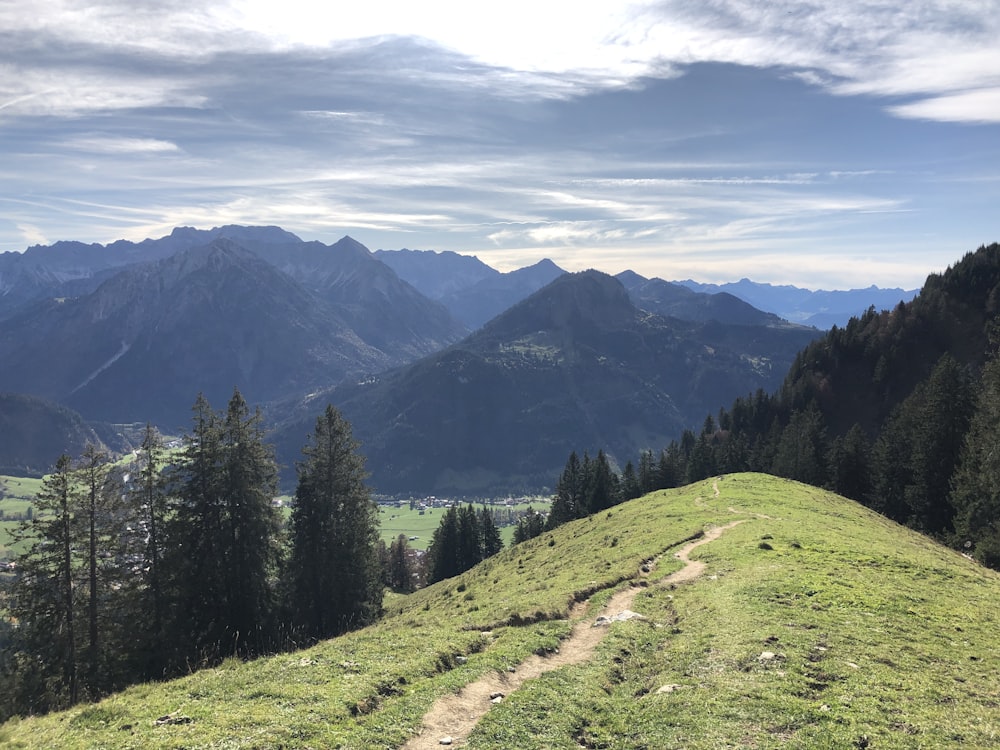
(849, 465)
(648, 479)
(569, 502)
(223, 535)
(443, 553)
(530, 525)
(975, 492)
(802, 448)
(491, 539)
(470, 543)
(601, 490)
(333, 577)
(943, 412)
(630, 483)
(45, 599)
(671, 468)
(195, 549)
(99, 518)
(249, 485)
(400, 570)
(149, 499)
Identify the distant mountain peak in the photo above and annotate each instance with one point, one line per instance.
(589, 298)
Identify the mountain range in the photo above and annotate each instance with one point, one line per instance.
(574, 366)
(132, 332)
(820, 308)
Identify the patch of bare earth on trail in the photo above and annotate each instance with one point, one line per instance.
(453, 717)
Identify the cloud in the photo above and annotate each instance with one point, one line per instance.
(32, 234)
(114, 55)
(119, 145)
(980, 106)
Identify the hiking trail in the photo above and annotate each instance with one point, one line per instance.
(453, 717)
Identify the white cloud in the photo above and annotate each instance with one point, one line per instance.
(68, 92)
(546, 48)
(32, 234)
(117, 145)
(982, 106)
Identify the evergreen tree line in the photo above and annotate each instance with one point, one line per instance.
(463, 538)
(931, 464)
(898, 410)
(180, 561)
(585, 487)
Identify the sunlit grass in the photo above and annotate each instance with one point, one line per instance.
(880, 638)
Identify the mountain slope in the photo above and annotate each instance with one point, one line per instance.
(68, 269)
(385, 311)
(203, 320)
(35, 432)
(666, 298)
(436, 274)
(816, 624)
(574, 367)
(882, 411)
(483, 301)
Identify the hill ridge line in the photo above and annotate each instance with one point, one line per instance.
(453, 717)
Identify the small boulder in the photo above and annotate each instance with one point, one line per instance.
(669, 688)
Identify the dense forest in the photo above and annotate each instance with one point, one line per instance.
(898, 410)
(179, 559)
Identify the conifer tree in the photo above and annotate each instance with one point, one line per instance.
(149, 499)
(630, 483)
(223, 535)
(443, 553)
(601, 489)
(333, 575)
(530, 525)
(648, 472)
(71, 597)
(249, 484)
(491, 540)
(470, 543)
(45, 598)
(975, 492)
(99, 519)
(569, 501)
(849, 464)
(400, 571)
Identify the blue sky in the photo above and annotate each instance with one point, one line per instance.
(826, 144)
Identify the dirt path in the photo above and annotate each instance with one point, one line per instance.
(454, 716)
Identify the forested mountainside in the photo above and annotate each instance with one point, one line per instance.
(899, 409)
(575, 362)
(33, 432)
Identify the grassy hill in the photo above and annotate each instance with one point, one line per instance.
(816, 624)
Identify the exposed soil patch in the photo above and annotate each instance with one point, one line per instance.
(454, 716)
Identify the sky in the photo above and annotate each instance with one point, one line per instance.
(825, 144)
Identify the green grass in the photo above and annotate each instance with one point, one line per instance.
(881, 638)
(17, 494)
(402, 520)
